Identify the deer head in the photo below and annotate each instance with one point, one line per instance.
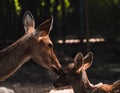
(38, 43)
(76, 76)
(74, 71)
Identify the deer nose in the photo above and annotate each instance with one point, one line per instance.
(60, 84)
(59, 72)
(56, 85)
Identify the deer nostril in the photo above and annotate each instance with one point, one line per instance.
(61, 71)
(56, 85)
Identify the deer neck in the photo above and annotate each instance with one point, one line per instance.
(75, 83)
(84, 85)
(11, 58)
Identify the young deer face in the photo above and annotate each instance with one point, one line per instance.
(74, 71)
(38, 44)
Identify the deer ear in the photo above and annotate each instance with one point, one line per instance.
(88, 59)
(28, 21)
(45, 27)
(78, 62)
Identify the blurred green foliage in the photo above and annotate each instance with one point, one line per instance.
(103, 16)
(17, 6)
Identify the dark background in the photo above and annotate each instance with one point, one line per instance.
(73, 19)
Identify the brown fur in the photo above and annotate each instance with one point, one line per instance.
(76, 76)
(35, 44)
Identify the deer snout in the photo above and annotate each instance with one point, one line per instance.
(59, 71)
(56, 85)
(59, 85)
(61, 81)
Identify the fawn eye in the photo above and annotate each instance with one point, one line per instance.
(50, 45)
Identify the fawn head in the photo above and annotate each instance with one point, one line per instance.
(38, 43)
(74, 71)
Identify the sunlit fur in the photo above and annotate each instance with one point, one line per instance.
(78, 79)
(61, 91)
(35, 44)
(6, 90)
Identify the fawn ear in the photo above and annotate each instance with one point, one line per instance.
(88, 59)
(45, 27)
(78, 62)
(28, 21)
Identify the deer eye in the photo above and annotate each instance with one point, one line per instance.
(50, 45)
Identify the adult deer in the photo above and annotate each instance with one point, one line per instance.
(35, 44)
(75, 75)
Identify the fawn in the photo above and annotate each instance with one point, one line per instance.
(35, 44)
(76, 76)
